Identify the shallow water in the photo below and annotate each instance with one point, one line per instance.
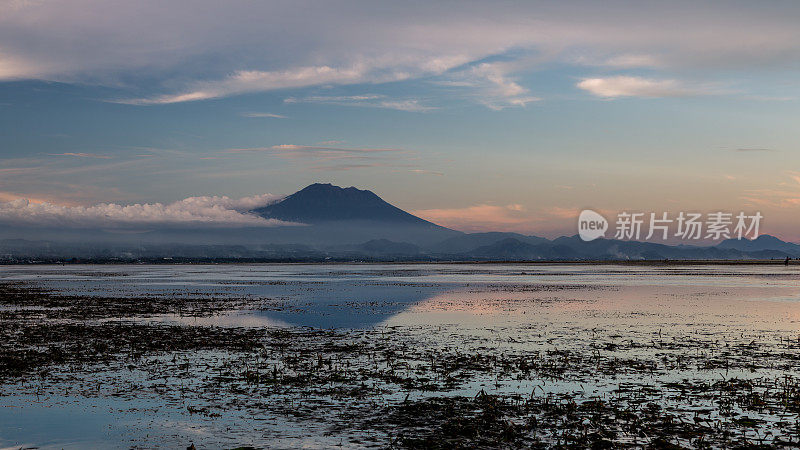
(352, 296)
(472, 308)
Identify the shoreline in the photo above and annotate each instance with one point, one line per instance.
(645, 262)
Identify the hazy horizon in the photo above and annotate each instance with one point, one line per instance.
(221, 217)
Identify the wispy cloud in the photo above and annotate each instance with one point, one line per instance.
(76, 178)
(754, 150)
(376, 70)
(769, 98)
(366, 100)
(335, 158)
(426, 172)
(491, 85)
(81, 155)
(313, 151)
(337, 99)
(329, 158)
(245, 81)
(346, 166)
(786, 196)
(628, 86)
(263, 115)
(18, 170)
(620, 61)
(772, 199)
(502, 91)
(412, 105)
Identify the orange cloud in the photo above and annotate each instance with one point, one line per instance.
(480, 217)
(11, 196)
(563, 213)
(785, 197)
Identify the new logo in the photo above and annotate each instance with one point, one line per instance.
(591, 225)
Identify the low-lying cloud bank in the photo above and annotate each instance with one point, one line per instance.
(194, 212)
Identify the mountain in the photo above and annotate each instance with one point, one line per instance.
(338, 216)
(574, 248)
(468, 242)
(319, 203)
(387, 247)
(610, 249)
(763, 242)
(377, 249)
(510, 249)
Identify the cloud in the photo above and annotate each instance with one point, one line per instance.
(492, 85)
(11, 196)
(245, 81)
(248, 81)
(263, 115)
(480, 217)
(366, 100)
(627, 86)
(629, 61)
(18, 170)
(330, 158)
(502, 91)
(193, 212)
(754, 150)
(165, 55)
(426, 172)
(316, 152)
(769, 98)
(511, 218)
(785, 197)
(343, 167)
(321, 157)
(562, 213)
(351, 99)
(81, 155)
(237, 47)
(620, 61)
(405, 105)
(772, 199)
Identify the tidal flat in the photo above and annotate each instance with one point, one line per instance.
(400, 356)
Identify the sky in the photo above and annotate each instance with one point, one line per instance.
(509, 116)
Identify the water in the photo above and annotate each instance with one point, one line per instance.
(449, 309)
(358, 296)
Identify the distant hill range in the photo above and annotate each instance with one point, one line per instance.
(347, 224)
(764, 242)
